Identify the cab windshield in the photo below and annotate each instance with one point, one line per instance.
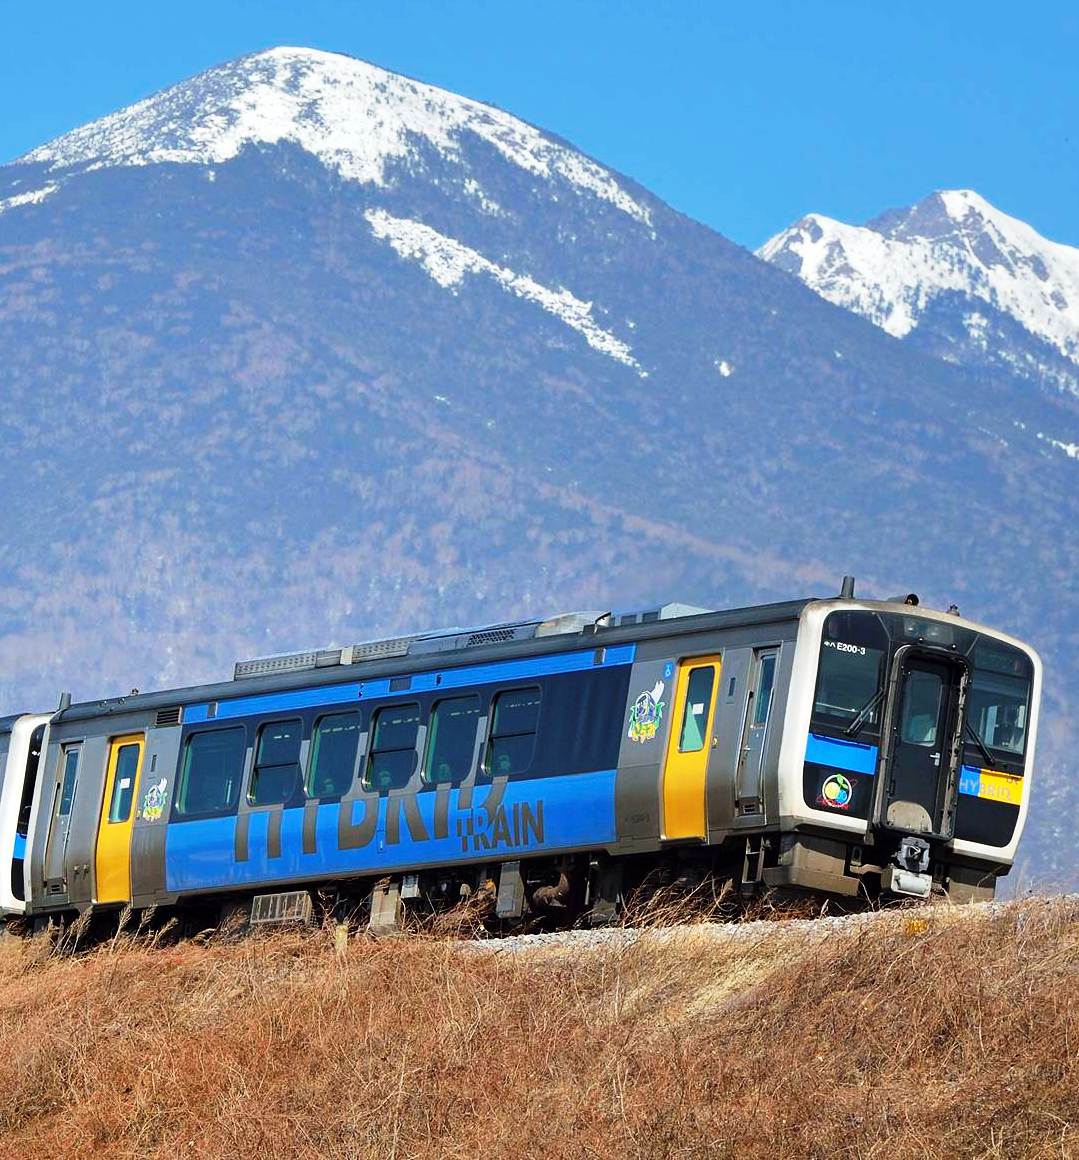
(998, 706)
(851, 667)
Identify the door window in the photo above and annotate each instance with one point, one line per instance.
(123, 786)
(920, 714)
(765, 683)
(695, 714)
(67, 792)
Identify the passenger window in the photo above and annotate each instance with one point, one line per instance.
(333, 755)
(765, 684)
(276, 776)
(393, 748)
(514, 722)
(921, 708)
(123, 785)
(210, 779)
(67, 793)
(695, 714)
(451, 742)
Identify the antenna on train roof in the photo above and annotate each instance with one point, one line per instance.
(847, 588)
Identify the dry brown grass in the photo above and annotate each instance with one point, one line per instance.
(929, 1034)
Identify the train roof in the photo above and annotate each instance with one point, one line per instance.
(447, 648)
(455, 647)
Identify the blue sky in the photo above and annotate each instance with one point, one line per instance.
(744, 116)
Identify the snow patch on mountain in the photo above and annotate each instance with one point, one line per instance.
(32, 197)
(893, 268)
(351, 115)
(447, 261)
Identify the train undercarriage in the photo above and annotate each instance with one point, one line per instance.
(760, 875)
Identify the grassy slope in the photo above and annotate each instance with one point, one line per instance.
(941, 1033)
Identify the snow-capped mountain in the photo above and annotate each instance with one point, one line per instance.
(354, 117)
(966, 281)
(301, 351)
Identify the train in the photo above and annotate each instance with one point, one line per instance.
(838, 747)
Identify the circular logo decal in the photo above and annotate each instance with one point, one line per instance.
(837, 791)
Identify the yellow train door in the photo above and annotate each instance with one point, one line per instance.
(112, 864)
(688, 746)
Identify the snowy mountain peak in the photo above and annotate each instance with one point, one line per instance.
(355, 117)
(950, 251)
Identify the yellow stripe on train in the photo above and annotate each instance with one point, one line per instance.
(1001, 787)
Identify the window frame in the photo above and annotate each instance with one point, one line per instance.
(688, 704)
(253, 779)
(431, 739)
(768, 662)
(372, 745)
(907, 706)
(118, 788)
(179, 810)
(69, 752)
(493, 736)
(861, 630)
(312, 756)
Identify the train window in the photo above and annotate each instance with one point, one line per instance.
(997, 708)
(512, 742)
(123, 784)
(849, 680)
(765, 683)
(920, 713)
(210, 778)
(67, 792)
(393, 748)
(333, 755)
(698, 703)
(276, 776)
(451, 741)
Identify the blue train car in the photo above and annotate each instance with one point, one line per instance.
(840, 746)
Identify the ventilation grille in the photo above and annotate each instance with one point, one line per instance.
(263, 666)
(491, 636)
(292, 906)
(59, 887)
(167, 717)
(378, 650)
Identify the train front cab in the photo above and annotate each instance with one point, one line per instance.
(908, 745)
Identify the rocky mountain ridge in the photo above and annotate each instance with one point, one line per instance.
(964, 280)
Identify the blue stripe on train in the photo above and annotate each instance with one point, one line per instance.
(421, 682)
(854, 756)
(539, 814)
(20, 847)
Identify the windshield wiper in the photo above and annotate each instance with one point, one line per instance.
(990, 760)
(863, 713)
